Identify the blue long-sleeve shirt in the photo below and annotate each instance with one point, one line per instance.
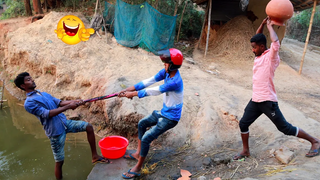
(39, 104)
(172, 89)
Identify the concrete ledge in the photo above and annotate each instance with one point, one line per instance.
(113, 170)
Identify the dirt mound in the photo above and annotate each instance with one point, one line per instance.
(232, 40)
(84, 70)
(11, 25)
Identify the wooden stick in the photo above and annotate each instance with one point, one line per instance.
(2, 93)
(181, 19)
(204, 22)
(98, 34)
(95, 11)
(236, 168)
(45, 5)
(308, 36)
(208, 33)
(176, 7)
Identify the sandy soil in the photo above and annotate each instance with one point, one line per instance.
(216, 92)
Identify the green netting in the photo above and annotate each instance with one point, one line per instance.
(141, 25)
(108, 13)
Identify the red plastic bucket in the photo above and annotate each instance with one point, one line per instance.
(113, 147)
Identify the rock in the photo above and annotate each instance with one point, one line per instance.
(73, 115)
(284, 155)
(272, 152)
(221, 159)
(188, 158)
(190, 60)
(207, 161)
(201, 178)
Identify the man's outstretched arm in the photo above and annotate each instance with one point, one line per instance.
(70, 105)
(273, 34)
(260, 29)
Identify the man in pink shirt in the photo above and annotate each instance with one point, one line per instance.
(264, 98)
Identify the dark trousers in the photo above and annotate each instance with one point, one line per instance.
(270, 109)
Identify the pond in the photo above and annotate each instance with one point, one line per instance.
(25, 151)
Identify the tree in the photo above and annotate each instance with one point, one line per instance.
(28, 7)
(181, 19)
(176, 7)
(37, 6)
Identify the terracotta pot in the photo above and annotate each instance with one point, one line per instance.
(279, 11)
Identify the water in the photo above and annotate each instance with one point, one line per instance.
(25, 151)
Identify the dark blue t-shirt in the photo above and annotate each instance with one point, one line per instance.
(39, 104)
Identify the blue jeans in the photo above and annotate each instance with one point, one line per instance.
(160, 125)
(57, 142)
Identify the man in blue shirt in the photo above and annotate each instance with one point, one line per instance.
(169, 115)
(48, 110)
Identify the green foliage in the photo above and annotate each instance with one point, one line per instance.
(75, 4)
(15, 8)
(298, 25)
(303, 18)
(192, 18)
(192, 21)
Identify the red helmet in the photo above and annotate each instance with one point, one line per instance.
(173, 57)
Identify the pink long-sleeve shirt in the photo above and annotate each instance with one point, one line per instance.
(263, 74)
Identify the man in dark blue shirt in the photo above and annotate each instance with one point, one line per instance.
(48, 110)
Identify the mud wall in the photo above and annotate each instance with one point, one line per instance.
(258, 8)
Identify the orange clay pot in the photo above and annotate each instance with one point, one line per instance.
(279, 11)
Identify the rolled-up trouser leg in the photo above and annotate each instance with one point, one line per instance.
(271, 109)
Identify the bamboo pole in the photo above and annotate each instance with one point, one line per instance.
(2, 94)
(204, 22)
(208, 32)
(176, 8)
(308, 36)
(181, 19)
(45, 6)
(95, 10)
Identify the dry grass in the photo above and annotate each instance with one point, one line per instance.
(232, 40)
